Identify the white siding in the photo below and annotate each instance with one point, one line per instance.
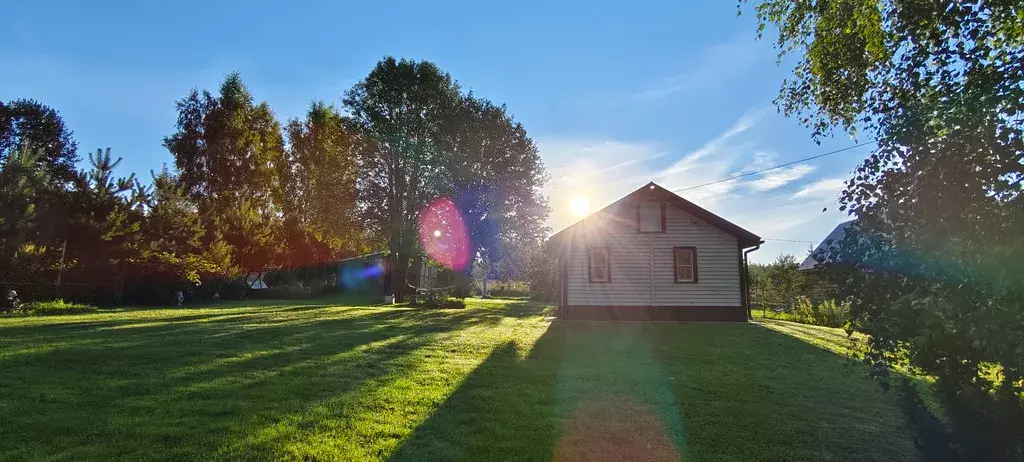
(718, 272)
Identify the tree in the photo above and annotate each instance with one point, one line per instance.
(28, 122)
(321, 185)
(497, 174)
(420, 138)
(399, 112)
(20, 182)
(104, 215)
(934, 262)
(542, 273)
(777, 285)
(229, 153)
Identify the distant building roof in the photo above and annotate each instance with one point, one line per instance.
(831, 241)
(360, 257)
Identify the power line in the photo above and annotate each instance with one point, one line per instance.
(789, 240)
(837, 151)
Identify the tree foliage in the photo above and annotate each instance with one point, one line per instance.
(320, 184)
(936, 253)
(246, 193)
(20, 184)
(777, 286)
(26, 122)
(419, 138)
(231, 158)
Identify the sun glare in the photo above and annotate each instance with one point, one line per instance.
(579, 206)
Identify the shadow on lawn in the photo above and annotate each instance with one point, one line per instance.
(583, 392)
(185, 386)
(278, 382)
(607, 391)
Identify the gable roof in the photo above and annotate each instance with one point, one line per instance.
(652, 191)
(831, 240)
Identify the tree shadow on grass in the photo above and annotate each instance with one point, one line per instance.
(581, 393)
(504, 410)
(608, 391)
(753, 393)
(246, 385)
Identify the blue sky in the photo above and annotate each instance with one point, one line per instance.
(615, 94)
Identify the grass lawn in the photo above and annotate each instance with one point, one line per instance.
(333, 380)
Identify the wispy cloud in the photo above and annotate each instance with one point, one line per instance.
(778, 178)
(717, 144)
(604, 170)
(827, 188)
(709, 67)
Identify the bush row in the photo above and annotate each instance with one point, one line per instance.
(827, 313)
(56, 307)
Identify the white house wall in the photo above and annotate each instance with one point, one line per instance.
(718, 270)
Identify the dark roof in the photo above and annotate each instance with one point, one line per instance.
(360, 257)
(652, 191)
(832, 240)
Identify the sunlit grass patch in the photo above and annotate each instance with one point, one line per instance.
(336, 380)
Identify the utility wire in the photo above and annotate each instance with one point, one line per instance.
(789, 240)
(837, 151)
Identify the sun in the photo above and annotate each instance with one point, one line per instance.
(579, 206)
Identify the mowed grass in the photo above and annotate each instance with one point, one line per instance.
(335, 380)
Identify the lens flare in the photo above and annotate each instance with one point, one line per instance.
(354, 274)
(443, 234)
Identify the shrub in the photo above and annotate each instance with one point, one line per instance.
(828, 313)
(508, 289)
(58, 307)
(453, 303)
(441, 299)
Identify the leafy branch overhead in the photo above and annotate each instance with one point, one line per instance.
(935, 261)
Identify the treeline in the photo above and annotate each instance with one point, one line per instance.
(247, 192)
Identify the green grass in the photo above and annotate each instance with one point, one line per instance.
(322, 380)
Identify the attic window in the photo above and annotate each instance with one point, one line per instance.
(651, 217)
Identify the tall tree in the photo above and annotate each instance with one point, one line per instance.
(104, 215)
(399, 112)
(497, 175)
(421, 138)
(172, 219)
(28, 122)
(940, 85)
(320, 181)
(230, 155)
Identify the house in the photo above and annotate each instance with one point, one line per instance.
(831, 242)
(653, 255)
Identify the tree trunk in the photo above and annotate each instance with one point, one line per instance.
(464, 283)
(399, 269)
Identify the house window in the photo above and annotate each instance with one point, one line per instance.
(685, 262)
(600, 264)
(651, 217)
